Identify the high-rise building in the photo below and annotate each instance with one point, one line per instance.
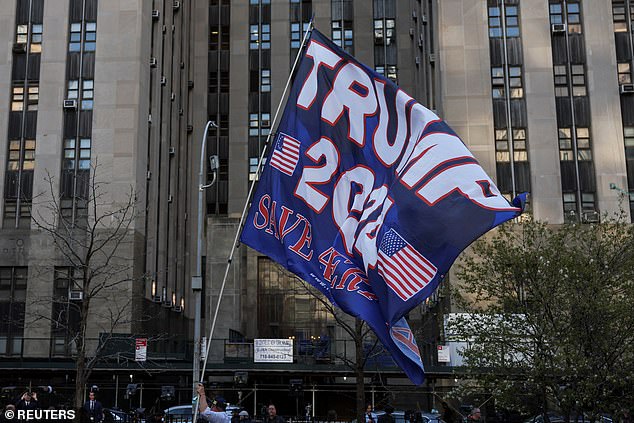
(541, 92)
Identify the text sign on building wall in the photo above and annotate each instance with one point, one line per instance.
(272, 350)
(444, 354)
(140, 353)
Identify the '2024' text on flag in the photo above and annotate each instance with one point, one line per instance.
(368, 196)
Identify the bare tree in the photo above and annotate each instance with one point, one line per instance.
(361, 334)
(93, 240)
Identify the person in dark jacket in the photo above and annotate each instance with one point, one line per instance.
(92, 409)
(28, 401)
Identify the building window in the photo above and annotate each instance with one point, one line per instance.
(628, 135)
(253, 167)
(495, 22)
(265, 80)
(22, 34)
(76, 155)
(36, 38)
(75, 37)
(625, 76)
(556, 14)
(300, 13)
(389, 71)
(565, 145)
(260, 126)
(288, 307)
(342, 35)
(561, 81)
(512, 21)
(17, 98)
(578, 81)
(260, 35)
(516, 89)
(297, 35)
(13, 282)
(28, 158)
(218, 85)
(89, 36)
(618, 16)
(574, 18)
(584, 152)
(86, 95)
(384, 32)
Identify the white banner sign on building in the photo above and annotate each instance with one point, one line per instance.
(272, 350)
(140, 354)
(444, 354)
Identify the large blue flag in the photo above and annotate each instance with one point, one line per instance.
(368, 196)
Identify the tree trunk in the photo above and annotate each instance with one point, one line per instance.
(82, 371)
(359, 371)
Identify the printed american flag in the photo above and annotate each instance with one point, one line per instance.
(403, 268)
(285, 154)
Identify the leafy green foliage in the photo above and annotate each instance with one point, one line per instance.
(549, 317)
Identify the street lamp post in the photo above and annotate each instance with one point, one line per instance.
(197, 276)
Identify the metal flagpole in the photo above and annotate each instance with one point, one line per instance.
(246, 205)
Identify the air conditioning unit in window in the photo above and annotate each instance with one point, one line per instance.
(423, 18)
(178, 309)
(75, 295)
(411, 32)
(163, 80)
(69, 104)
(190, 84)
(414, 15)
(153, 62)
(177, 5)
(417, 60)
(167, 303)
(172, 151)
(156, 299)
(170, 198)
(190, 128)
(626, 89)
(558, 28)
(156, 14)
(173, 97)
(432, 57)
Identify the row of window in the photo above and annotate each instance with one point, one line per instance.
(578, 182)
(507, 92)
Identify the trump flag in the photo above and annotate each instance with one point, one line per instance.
(368, 196)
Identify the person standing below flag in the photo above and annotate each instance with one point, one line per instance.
(215, 413)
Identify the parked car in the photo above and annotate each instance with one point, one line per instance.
(183, 413)
(404, 417)
(556, 418)
(115, 416)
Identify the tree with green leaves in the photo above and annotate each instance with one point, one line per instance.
(548, 322)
